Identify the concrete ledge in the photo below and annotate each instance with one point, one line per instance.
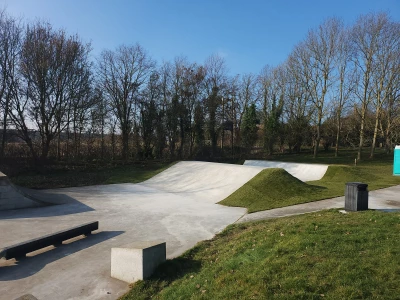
(137, 261)
(56, 239)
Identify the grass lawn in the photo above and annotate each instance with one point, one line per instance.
(59, 178)
(324, 255)
(273, 188)
(346, 157)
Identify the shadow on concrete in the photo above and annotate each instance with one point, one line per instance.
(30, 265)
(59, 205)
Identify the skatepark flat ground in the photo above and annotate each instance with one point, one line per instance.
(177, 206)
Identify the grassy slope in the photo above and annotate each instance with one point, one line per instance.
(274, 188)
(82, 177)
(325, 255)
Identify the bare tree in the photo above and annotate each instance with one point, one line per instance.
(168, 105)
(246, 95)
(385, 70)
(344, 86)
(99, 118)
(321, 47)
(10, 48)
(390, 121)
(192, 94)
(365, 39)
(298, 110)
(122, 74)
(273, 96)
(215, 84)
(52, 67)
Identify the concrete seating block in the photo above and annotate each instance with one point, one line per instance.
(137, 261)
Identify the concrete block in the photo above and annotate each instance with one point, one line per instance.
(137, 261)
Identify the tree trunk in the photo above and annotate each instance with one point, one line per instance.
(337, 138)
(125, 144)
(375, 133)
(361, 132)
(102, 141)
(4, 137)
(59, 146)
(182, 129)
(113, 143)
(318, 138)
(45, 149)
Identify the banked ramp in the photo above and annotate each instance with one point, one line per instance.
(12, 197)
(304, 172)
(202, 181)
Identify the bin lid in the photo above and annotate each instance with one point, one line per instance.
(397, 147)
(359, 185)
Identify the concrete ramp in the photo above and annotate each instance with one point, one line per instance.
(203, 181)
(304, 172)
(12, 197)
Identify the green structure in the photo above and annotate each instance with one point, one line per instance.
(396, 163)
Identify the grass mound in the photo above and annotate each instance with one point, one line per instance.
(272, 188)
(324, 255)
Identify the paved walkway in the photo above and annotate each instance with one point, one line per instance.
(385, 199)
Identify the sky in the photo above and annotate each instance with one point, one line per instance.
(248, 34)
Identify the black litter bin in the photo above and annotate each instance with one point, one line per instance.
(356, 196)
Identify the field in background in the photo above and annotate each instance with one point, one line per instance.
(59, 177)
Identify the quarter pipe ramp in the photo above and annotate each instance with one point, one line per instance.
(12, 197)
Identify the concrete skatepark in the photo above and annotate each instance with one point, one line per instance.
(177, 206)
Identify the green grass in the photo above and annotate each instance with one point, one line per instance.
(59, 178)
(273, 188)
(325, 255)
(346, 157)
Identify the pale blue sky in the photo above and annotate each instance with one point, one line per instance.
(249, 34)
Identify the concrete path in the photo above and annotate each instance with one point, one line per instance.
(384, 199)
(177, 206)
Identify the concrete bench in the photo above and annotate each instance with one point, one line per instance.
(21, 249)
(137, 261)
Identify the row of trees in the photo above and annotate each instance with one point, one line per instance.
(339, 86)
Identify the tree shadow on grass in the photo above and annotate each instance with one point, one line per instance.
(31, 265)
(176, 268)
